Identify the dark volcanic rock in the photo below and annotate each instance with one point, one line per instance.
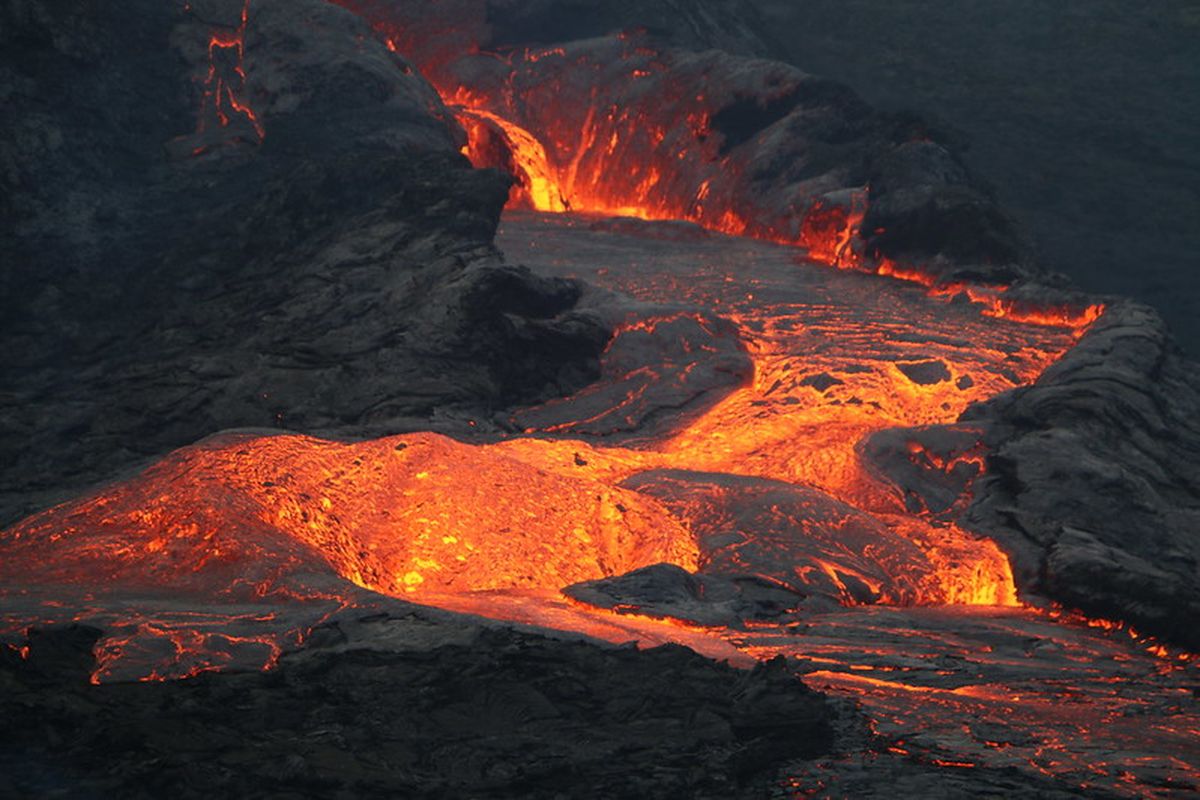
(1093, 480)
(324, 266)
(665, 590)
(664, 367)
(821, 381)
(459, 26)
(56, 655)
(934, 466)
(926, 209)
(925, 373)
(501, 714)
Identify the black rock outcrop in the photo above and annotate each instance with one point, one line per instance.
(1088, 478)
(1093, 477)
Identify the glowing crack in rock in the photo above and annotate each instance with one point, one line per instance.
(223, 90)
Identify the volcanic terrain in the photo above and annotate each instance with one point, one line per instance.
(380, 370)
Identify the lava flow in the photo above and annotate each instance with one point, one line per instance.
(755, 420)
(778, 459)
(226, 552)
(773, 378)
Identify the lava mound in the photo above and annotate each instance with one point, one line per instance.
(394, 515)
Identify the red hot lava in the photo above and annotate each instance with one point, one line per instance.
(617, 126)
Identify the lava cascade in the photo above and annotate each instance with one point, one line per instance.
(580, 158)
(617, 126)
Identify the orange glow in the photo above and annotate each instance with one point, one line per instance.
(1099, 712)
(1061, 317)
(208, 651)
(656, 159)
(609, 146)
(580, 177)
(995, 304)
(400, 515)
(1147, 643)
(537, 186)
(828, 231)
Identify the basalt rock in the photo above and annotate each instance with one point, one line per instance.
(925, 209)
(458, 26)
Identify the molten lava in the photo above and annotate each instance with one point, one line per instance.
(778, 460)
(417, 512)
(643, 137)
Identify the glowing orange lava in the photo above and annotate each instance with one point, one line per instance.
(414, 513)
